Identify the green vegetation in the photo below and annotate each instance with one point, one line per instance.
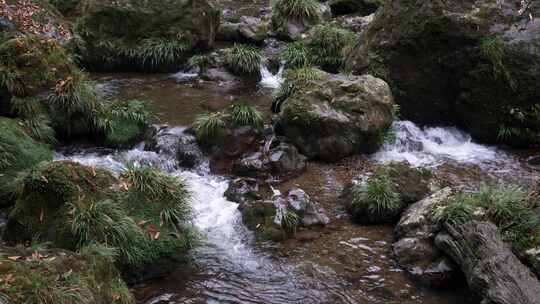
(377, 195)
(243, 60)
(36, 121)
(289, 221)
(291, 79)
(493, 48)
(329, 46)
(301, 10)
(18, 153)
(72, 206)
(243, 114)
(296, 55)
(159, 52)
(201, 62)
(521, 124)
(123, 122)
(209, 125)
(54, 276)
(506, 206)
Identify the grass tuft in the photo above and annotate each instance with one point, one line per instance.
(243, 114)
(296, 55)
(377, 195)
(330, 46)
(209, 125)
(300, 10)
(243, 60)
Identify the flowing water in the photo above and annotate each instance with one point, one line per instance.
(230, 266)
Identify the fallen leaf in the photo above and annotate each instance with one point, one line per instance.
(14, 258)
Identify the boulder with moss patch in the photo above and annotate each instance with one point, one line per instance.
(383, 195)
(291, 19)
(18, 152)
(329, 117)
(71, 205)
(61, 276)
(459, 62)
(145, 35)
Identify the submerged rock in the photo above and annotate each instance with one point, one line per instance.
(336, 115)
(383, 195)
(471, 63)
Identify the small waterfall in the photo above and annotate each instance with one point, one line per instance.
(434, 145)
(269, 80)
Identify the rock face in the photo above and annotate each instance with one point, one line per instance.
(403, 184)
(414, 247)
(293, 27)
(128, 34)
(492, 270)
(248, 29)
(471, 63)
(337, 116)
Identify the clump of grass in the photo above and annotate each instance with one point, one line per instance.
(164, 195)
(289, 221)
(35, 120)
(493, 48)
(209, 125)
(202, 62)
(243, 114)
(105, 222)
(243, 60)
(292, 78)
(329, 46)
(158, 52)
(295, 55)
(300, 10)
(376, 195)
(459, 211)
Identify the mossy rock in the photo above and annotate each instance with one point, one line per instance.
(459, 62)
(30, 64)
(259, 216)
(60, 276)
(18, 152)
(43, 206)
(329, 117)
(382, 196)
(145, 35)
(129, 125)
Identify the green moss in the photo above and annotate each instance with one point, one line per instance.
(18, 152)
(55, 276)
(124, 122)
(29, 64)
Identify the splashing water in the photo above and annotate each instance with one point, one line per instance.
(433, 146)
(269, 80)
(234, 270)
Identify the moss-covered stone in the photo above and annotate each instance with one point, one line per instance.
(71, 206)
(18, 152)
(329, 117)
(144, 35)
(382, 196)
(459, 62)
(60, 276)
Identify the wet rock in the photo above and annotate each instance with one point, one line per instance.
(177, 143)
(337, 115)
(362, 7)
(401, 184)
(354, 23)
(242, 190)
(280, 161)
(248, 29)
(274, 216)
(492, 270)
(482, 55)
(288, 28)
(188, 153)
(532, 258)
(221, 74)
(414, 248)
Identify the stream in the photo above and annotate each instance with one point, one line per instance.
(230, 266)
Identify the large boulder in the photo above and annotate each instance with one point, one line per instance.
(414, 247)
(132, 34)
(335, 116)
(18, 152)
(381, 196)
(471, 63)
